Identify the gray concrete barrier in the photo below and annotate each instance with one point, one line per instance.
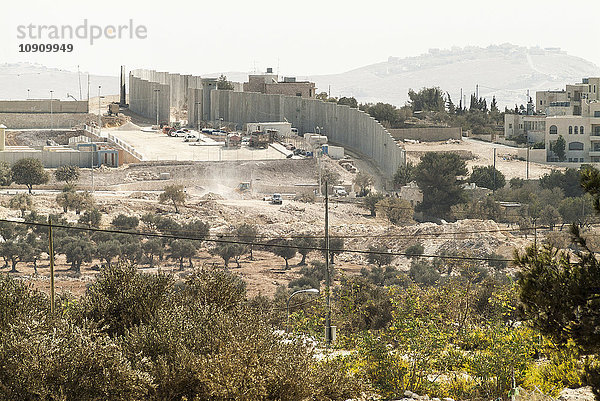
(343, 125)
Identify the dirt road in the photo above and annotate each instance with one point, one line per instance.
(483, 153)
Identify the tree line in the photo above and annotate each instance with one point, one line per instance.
(431, 106)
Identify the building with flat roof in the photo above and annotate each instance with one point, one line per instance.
(573, 113)
(269, 83)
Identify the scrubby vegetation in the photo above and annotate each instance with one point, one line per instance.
(456, 325)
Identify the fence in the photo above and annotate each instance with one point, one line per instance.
(111, 138)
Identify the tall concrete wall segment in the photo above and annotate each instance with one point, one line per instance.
(343, 125)
(44, 120)
(49, 159)
(43, 106)
(172, 92)
(145, 96)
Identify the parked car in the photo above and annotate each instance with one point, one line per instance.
(191, 138)
(180, 133)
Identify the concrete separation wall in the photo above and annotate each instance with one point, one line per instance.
(49, 159)
(145, 86)
(426, 134)
(43, 106)
(44, 120)
(343, 125)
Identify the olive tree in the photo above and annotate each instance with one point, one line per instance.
(5, 174)
(21, 202)
(68, 174)
(173, 194)
(228, 251)
(29, 172)
(182, 249)
(286, 250)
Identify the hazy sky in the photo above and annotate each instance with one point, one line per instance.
(302, 37)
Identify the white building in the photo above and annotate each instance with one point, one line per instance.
(573, 113)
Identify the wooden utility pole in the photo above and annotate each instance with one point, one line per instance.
(328, 333)
(494, 190)
(51, 250)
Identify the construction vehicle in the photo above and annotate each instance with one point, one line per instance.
(113, 109)
(243, 186)
(261, 139)
(276, 199)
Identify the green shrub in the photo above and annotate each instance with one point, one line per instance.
(63, 361)
(121, 298)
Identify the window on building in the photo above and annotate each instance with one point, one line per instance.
(570, 160)
(298, 93)
(540, 102)
(570, 129)
(597, 114)
(576, 130)
(509, 126)
(581, 130)
(575, 146)
(553, 129)
(581, 159)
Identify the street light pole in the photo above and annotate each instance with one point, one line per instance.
(156, 91)
(99, 133)
(99, 111)
(198, 114)
(309, 290)
(51, 119)
(317, 151)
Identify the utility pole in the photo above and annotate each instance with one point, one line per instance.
(156, 91)
(51, 249)
(328, 333)
(51, 119)
(99, 111)
(494, 190)
(319, 166)
(527, 170)
(79, 77)
(99, 134)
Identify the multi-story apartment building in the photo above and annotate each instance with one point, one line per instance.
(573, 113)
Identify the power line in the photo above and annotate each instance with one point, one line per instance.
(273, 245)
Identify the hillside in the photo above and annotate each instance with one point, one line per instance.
(506, 71)
(17, 78)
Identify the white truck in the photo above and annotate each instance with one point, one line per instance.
(276, 199)
(339, 190)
